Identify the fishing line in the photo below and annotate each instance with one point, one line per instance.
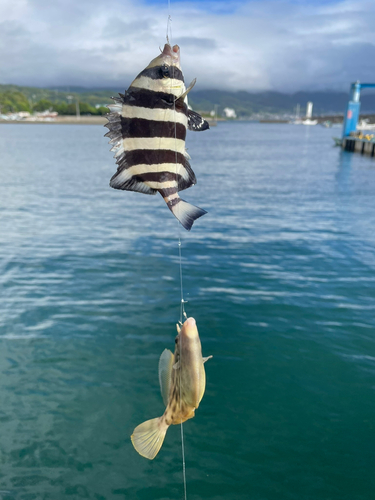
(182, 304)
(169, 22)
(182, 308)
(169, 28)
(183, 454)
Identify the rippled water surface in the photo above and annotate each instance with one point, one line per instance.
(280, 276)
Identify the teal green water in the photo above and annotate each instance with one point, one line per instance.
(280, 276)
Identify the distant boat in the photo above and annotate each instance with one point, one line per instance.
(211, 122)
(213, 119)
(329, 124)
(308, 121)
(297, 120)
(338, 141)
(365, 125)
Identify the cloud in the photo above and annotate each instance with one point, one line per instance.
(249, 45)
(197, 43)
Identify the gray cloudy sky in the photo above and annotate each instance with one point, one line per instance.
(241, 45)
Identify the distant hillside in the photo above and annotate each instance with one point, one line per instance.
(14, 98)
(92, 97)
(244, 103)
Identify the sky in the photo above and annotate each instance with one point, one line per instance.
(256, 45)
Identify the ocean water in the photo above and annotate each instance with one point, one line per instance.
(280, 276)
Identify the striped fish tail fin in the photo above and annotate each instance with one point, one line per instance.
(184, 212)
(148, 437)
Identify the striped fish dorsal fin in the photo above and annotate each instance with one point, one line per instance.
(165, 373)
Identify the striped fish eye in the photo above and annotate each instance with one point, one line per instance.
(164, 69)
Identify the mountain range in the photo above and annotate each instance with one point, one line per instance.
(247, 103)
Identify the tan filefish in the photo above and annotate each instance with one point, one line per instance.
(182, 382)
(147, 127)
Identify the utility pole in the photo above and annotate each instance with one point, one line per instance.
(78, 114)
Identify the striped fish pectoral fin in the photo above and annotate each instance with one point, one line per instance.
(196, 123)
(184, 212)
(165, 373)
(148, 437)
(182, 96)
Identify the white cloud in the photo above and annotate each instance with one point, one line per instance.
(258, 45)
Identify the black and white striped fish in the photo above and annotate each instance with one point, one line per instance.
(147, 126)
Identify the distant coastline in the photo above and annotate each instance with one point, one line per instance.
(267, 105)
(72, 120)
(63, 120)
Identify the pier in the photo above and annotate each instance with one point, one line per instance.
(357, 145)
(353, 138)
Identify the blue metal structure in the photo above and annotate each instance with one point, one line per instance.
(352, 110)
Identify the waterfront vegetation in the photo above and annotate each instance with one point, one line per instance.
(14, 99)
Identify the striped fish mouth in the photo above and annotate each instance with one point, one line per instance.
(170, 55)
(173, 52)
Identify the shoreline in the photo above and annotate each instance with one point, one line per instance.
(63, 120)
(72, 120)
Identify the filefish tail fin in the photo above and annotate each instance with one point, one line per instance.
(148, 437)
(184, 212)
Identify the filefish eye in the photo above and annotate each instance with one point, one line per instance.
(176, 339)
(164, 70)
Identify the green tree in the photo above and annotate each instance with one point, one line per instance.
(43, 105)
(102, 110)
(13, 101)
(86, 109)
(61, 108)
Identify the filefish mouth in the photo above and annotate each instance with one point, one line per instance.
(189, 328)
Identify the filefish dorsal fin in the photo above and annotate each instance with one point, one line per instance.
(165, 373)
(195, 122)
